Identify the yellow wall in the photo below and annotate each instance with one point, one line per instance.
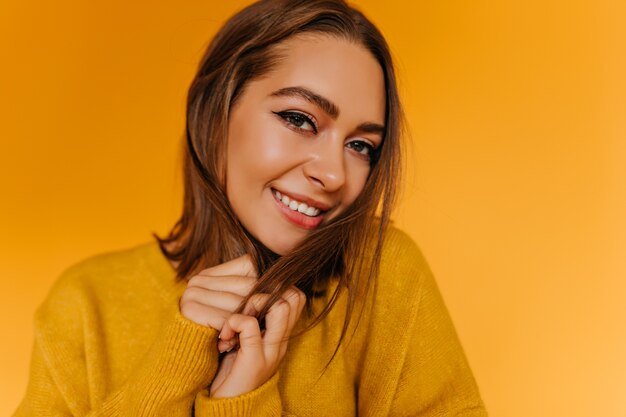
(516, 195)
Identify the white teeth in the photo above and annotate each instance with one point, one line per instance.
(297, 206)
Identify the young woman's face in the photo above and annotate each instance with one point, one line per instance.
(300, 139)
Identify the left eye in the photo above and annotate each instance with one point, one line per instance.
(361, 147)
(298, 120)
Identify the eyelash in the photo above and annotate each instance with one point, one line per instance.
(289, 116)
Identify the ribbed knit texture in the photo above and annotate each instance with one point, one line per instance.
(110, 341)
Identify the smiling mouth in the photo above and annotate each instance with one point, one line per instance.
(297, 213)
(295, 205)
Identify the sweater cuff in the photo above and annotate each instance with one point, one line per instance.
(262, 402)
(181, 363)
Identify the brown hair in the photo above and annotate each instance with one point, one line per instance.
(208, 232)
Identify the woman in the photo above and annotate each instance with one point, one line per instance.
(278, 291)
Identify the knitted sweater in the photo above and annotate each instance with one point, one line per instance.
(110, 341)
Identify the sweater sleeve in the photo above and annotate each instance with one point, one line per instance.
(166, 384)
(166, 381)
(262, 402)
(435, 378)
(170, 379)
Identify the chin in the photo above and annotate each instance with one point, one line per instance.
(281, 247)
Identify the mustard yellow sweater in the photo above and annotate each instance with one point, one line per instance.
(110, 341)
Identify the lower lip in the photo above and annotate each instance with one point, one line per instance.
(297, 218)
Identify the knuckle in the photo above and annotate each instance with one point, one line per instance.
(301, 298)
(289, 293)
(195, 281)
(250, 309)
(190, 308)
(248, 321)
(280, 307)
(246, 326)
(192, 293)
(195, 291)
(295, 294)
(236, 318)
(206, 271)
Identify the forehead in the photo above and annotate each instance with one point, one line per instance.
(339, 70)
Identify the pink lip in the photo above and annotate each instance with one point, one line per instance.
(297, 218)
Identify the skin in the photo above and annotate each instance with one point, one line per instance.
(280, 140)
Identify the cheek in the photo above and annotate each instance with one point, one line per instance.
(249, 143)
(259, 149)
(357, 174)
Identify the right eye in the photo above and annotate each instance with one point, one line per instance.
(297, 121)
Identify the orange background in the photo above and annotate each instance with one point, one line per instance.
(516, 191)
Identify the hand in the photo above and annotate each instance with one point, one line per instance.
(215, 293)
(259, 353)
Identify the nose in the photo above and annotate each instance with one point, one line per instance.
(326, 167)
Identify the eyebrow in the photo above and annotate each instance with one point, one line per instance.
(326, 105)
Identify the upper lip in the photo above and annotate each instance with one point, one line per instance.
(304, 199)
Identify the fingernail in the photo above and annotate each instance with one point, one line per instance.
(233, 343)
(225, 347)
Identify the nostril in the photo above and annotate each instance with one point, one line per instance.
(317, 180)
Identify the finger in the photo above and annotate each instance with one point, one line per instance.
(240, 285)
(247, 327)
(297, 300)
(228, 338)
(276, 325)
(242, 266)
(227, 345)
(223, 300)
(249, 365)
(205, 315)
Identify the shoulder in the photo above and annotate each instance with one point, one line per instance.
(398, 243)
(403, 266)
(405, 286)
(114, 268)
(108, 278)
